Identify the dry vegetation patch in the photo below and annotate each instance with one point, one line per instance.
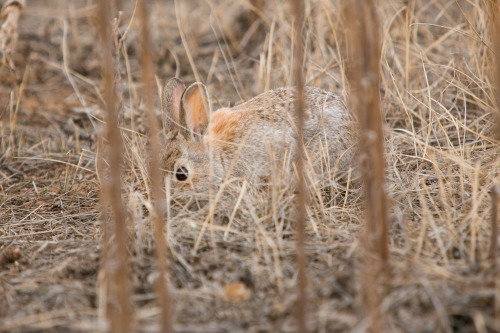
(237, 272)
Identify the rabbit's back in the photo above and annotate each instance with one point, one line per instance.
(260, 134)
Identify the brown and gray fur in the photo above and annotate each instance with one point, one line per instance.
(253, 141)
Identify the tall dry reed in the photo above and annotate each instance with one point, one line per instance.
(364, 36)
(117, 270)
(298, 80)
(493, 14)
(158, 217)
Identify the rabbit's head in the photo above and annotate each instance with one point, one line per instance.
(185, 157)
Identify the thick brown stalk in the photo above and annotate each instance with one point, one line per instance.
(363, 25)
(298, 80)
(493, 13)
(156, 181)
(120, 315)
(103, 280)
(493, 10)
(495, 195)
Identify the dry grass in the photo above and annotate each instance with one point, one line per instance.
(442, 161)
(11, 10)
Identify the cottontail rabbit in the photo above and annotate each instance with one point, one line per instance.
(254, 139)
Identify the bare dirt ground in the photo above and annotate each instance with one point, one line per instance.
(442, 162)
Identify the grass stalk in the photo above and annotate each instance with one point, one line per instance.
(363, 24)
(298, 81)
(493, 13)
(102, 277)
(155, 176)
(120, 315)
(492, 8)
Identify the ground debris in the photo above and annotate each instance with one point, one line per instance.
(8, 256)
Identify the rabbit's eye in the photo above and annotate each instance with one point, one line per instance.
(181, 174)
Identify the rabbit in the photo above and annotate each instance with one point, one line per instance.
(252, 140)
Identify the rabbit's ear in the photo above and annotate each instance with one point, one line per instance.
(196, 109)
(171, 104)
